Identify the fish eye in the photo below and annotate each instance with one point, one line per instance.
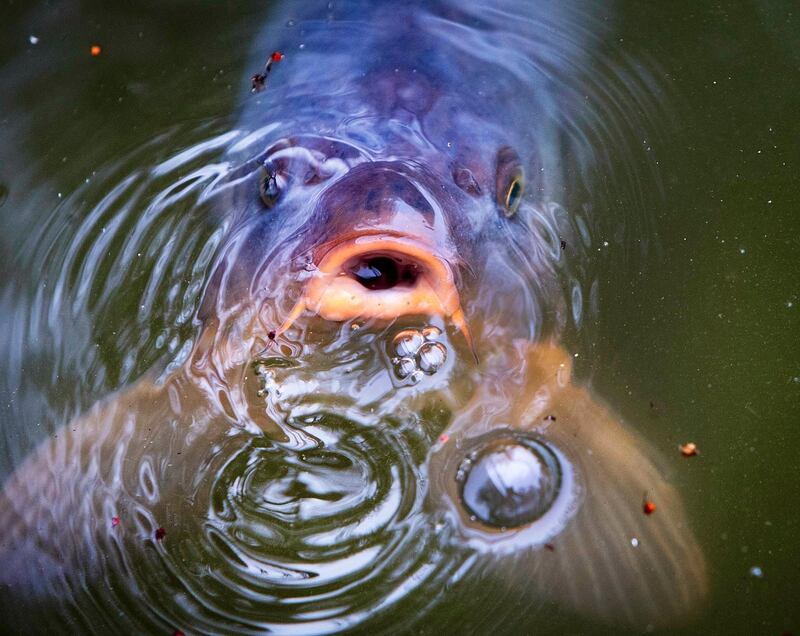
(510, 181)
(514, 195)
(269, 184)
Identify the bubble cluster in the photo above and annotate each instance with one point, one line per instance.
(417, 352)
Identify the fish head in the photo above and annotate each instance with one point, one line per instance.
(418, 231)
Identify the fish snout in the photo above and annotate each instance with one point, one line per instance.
(381, 247)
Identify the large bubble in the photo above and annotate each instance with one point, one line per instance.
(510, 483)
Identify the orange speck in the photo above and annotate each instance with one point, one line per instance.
(443, 438)
(648, 507)
(95, 50)
(689, 449)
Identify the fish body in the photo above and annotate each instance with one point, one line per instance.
(402, 164)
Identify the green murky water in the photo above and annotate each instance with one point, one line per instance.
(696, 334)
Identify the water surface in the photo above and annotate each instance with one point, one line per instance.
(691, 291)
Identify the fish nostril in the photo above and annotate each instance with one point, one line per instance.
(379, 273)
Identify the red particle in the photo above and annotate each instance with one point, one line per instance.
(114, 522)
(95, 50)
(277, 56)
(443, 438)
(178, 632)
(160, 534)
(648, 507)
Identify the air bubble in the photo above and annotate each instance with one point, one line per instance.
(407, 342)
(405, 367)
(510, 483)
(432, 356)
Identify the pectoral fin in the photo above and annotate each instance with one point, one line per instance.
(602, 555)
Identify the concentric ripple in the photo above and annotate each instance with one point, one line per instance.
(315, 535)
(318, 525)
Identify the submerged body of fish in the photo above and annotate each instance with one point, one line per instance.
(407, 156)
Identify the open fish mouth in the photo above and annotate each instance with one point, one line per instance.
(380, 275)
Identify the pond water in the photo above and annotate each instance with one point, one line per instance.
(682, 313)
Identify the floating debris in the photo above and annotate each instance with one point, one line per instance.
(95, 50)
(635, 542)
(259, 80)
(114, 522)
(33, 39)
(689, 449)
(648, 507)
(160, 534)
(550, 418)
(443, 438)
(756, 572)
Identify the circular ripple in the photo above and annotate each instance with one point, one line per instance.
(320, 533)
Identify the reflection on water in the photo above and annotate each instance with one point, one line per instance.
(252, 472)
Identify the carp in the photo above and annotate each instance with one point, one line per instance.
(397, 241)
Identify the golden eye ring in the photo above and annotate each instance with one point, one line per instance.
(514, 194)
(509, 181)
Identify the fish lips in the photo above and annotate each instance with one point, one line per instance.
(380, 275)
